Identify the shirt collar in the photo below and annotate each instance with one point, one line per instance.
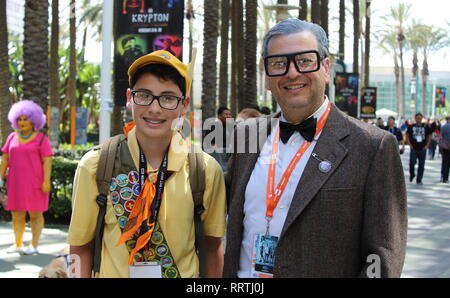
(178, 151)
(317, 114)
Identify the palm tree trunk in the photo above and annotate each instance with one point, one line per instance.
(425, 74)
(240, 52)
(367, 47)
(234, 53)
(54, 74)
(35, 52)
(5, 95)
(402, 113)
(315, 12)
(415, 70)
(303, 13)
(342, 29)
(72, 72)
(397, 81)
(324, 15)
(251, 19)
(209, 81)
(224, 40)
(356, 33)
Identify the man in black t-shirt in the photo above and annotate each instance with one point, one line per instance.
(418, 136)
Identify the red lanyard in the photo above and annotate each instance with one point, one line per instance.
(274, 196)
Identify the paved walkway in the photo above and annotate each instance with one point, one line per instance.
(427, 253)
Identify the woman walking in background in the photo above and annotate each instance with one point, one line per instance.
(27, 154)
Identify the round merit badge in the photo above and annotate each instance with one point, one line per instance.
(171, 272)
(133, 177)
(136, 189)
(118, 209)
(129, 205)
(126, 193)
(149, 254)
(138, 257)
(162, 250)
(122, 180)
(166, 262)
(122, 221)
(157, 238)
(113, 184)
(131, 244)
(115, 197)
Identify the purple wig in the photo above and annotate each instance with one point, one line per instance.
(30, 109)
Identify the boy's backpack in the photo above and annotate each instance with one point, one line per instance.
(103, 178)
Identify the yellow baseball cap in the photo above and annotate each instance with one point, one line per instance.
(162, 57)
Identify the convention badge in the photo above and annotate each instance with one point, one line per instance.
(133, 177)
(162, 250)
(126, 193)
(166, 262)
(119, 210)
(122, 180)
(264, 255)
(131, 244)
(122, 221)
(145, 270)
(136, 189)
(113, 184)
(157, 238)
(149, 254)
(171, 273)
(129, 205)
(115, 197)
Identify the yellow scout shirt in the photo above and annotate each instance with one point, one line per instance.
(176, 216)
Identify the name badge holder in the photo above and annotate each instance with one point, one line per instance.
(145, 270)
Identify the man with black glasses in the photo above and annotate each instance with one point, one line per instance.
(321, 197)
(149, 221)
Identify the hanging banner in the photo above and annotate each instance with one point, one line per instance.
(441, 93)
(368, 103)
(141, 27)
(81, 125)
(346, 94)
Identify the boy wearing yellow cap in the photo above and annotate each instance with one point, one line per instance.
(149, 221)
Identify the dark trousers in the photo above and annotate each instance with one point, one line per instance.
(413, 157)
(445, 164)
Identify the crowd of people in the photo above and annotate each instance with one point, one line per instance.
(324, 195)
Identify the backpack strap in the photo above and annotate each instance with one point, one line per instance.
(103, 177)
(197, 182)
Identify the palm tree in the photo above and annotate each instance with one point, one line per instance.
(367, 45)
(342, 29)
(54, 98)
(356, 33)
(237, 50)
(35, 52)
(415, 43)
(397, 18)
(324, 15)
(251, 24)
(224, 40)
(303, 12)
(72, 70)
(5, 94)
(315, 11)
(209, 81)
(434, 39)
(387, 41)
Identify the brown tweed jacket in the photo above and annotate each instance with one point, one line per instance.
(337, 220)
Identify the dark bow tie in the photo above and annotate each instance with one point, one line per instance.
(306, 128)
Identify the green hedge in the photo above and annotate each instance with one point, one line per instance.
(63, 171)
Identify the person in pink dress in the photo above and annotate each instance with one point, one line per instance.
(26, 164)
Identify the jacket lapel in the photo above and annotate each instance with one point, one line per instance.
(328, 148)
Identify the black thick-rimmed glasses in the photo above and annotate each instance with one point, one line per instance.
(145, 98)
(305, 62)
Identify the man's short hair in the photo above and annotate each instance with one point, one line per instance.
(221, 110)
(391, 117)
(292, 26)
(419, 114)
(163, 71)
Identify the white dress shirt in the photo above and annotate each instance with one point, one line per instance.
(255, 194)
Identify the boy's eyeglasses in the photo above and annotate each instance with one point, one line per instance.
(145, 98)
